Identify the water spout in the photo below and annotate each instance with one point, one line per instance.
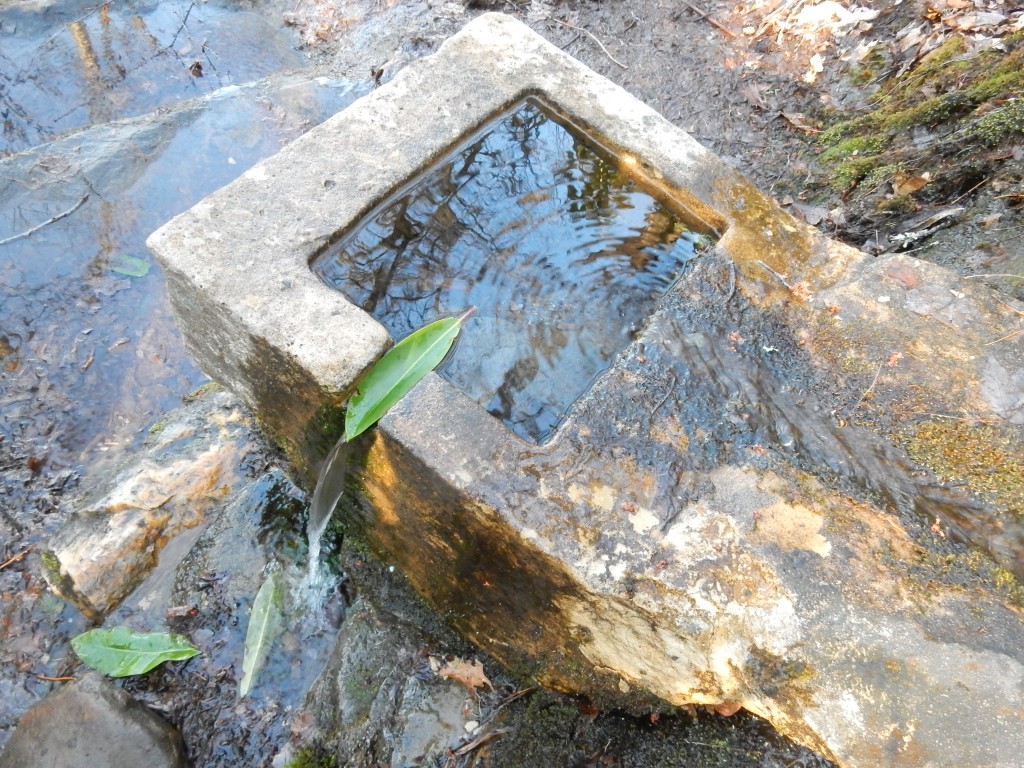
(330, 486)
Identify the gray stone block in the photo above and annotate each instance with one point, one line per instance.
(647, 554)
(92, 723)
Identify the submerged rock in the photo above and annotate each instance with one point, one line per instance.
(92, 723)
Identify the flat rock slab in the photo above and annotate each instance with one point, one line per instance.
(707, 526)
(92, 723)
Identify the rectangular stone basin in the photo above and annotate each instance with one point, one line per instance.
(648, 542)
(238, 263)
(556, 242)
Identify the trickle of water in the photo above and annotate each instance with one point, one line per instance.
(330, 486)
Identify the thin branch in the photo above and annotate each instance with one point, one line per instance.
(588, 34)
(969, 420)
(1004, 338)
(869, 389)
(671, 389)
(184, 20)
(37, 227)
(16, 558)
(724, 30)
(1012, 309)
(965, 194)
(777, 276)
(996, 274)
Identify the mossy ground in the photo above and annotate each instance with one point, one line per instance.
(312, 758)
(554, 730)
(989, 460)
(928, 119)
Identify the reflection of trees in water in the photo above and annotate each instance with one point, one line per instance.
(560, 252)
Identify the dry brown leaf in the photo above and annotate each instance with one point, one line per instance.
(468, 673)
(752, 94)
(905, 183)
(797, 120)
(727, 708)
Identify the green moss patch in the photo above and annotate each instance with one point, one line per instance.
(963, 99)
(990, 461)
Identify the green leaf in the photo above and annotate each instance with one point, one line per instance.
(398, 371)
(132, 266)
(120, 651)
(264, 625)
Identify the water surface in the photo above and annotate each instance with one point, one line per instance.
(561, 250)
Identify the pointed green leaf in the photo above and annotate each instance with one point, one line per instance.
(120, 651)
(398, 371)
(132, 266)
(264, 625)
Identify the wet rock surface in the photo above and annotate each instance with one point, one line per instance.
(702, 526)
(60, 425)
(92, 722)
(89, 354)
(193, 461)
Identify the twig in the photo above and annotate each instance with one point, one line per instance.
(1004, 338)
(52, 679)
(576, 37)
(37, 227)
(52, 37)
(516, 695)
(184, 20)
(480, 740)
(732, 281)
(1012, 309)
(971, 420)
(588, 34)
(671, 389)
(869, 389)
(997, 274)
(777, 276)
(16, 558)
(965, 194)
(724, 30)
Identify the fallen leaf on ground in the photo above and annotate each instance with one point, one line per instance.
(752, 94)
(817, 66)
(727, 708)
(801, 122)
(812, 214)
(905, 183)
(468, 673)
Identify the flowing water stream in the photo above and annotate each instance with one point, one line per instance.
(330, 487)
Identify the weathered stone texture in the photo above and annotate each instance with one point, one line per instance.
(714, 522)
(111, 542)
(92, 723)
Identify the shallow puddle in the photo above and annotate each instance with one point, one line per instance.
(91, 350)
(107, 62)
(90, 355)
